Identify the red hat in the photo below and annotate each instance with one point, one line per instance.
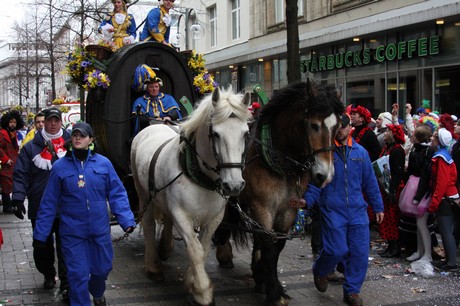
(363, 112)
(398, 133)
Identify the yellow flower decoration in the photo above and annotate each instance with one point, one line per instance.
(197, 63)
(204, 83)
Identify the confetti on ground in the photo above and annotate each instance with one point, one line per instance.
(418, 290)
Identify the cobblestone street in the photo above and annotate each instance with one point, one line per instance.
(388, 281)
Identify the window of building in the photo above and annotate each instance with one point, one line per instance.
(280, 10)
(213, 25)
(235, 19)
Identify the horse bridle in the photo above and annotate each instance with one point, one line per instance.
(309, 159)
(220, 163)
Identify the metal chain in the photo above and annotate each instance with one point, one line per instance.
(138, 220)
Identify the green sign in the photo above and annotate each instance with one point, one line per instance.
(393, 51)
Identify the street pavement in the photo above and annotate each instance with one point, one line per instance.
(388, 281)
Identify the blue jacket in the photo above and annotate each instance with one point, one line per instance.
(342, 200)
(155, 27)
(29, 180)
(83, 209)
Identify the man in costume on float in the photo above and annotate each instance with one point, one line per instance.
(153, 104)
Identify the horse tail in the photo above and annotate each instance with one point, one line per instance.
(232, 226)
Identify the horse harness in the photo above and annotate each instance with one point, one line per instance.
(277, 161)
(189, 160)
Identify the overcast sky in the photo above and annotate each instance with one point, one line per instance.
(12, 10)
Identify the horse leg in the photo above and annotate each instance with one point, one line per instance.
(224, 252)
(196, 280)
(166, 244)
(153, 265)
(267, 267)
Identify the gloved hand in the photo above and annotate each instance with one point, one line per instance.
(37, 244)
(19, 208)
(130, 229)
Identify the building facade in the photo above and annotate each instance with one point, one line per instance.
(379, 52)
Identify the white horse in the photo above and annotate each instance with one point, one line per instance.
(184, 178)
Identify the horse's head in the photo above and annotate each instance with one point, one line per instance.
(321, 124)
(228, 132)
(219, 128)
(303, 120)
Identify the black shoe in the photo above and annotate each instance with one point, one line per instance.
(100, 301)
(65, 296)
(49, 283)
(8, 210)
(321, 282)
(444, 267)
(340, 267)
(394, 253)
(353, 299)
(380, 253)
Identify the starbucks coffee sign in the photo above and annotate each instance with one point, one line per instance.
(421, 47)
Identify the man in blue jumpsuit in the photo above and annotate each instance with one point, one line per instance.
(155, 104)
(79, 187)
(344, 220)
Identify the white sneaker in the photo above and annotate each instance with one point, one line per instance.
(413, 257)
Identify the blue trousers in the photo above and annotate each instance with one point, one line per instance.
(348, 244)
(89, 262)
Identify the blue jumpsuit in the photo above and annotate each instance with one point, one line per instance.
(344, 219)
(80, 191)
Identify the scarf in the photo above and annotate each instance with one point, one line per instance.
(54, 147)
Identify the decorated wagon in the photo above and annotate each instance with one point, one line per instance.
(109, 110)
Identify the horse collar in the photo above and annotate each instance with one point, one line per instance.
(190, 166)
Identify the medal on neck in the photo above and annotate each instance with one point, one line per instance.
(81, 181)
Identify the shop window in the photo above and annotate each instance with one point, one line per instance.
(447, 90)
(361, 93)
(279, 75)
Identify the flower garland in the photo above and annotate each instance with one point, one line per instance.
(96, 78)
(81, 70)
(196, 62)
(204, 83)
(203, 80)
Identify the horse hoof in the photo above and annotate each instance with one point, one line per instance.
(226, 264)
(156, 277)
(191, 302)
(259, 288)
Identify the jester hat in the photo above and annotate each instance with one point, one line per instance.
(398, 133)
(142, 74)
(363, 112)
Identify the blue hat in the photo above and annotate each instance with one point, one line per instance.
(421, 110)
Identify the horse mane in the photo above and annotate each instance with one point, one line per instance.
(316, 99)
(229, 105)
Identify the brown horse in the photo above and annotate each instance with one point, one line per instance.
(293, 146)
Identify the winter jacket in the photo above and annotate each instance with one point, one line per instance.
(443, 178)
(29, 180)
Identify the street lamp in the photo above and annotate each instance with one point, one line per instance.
(196, 29)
